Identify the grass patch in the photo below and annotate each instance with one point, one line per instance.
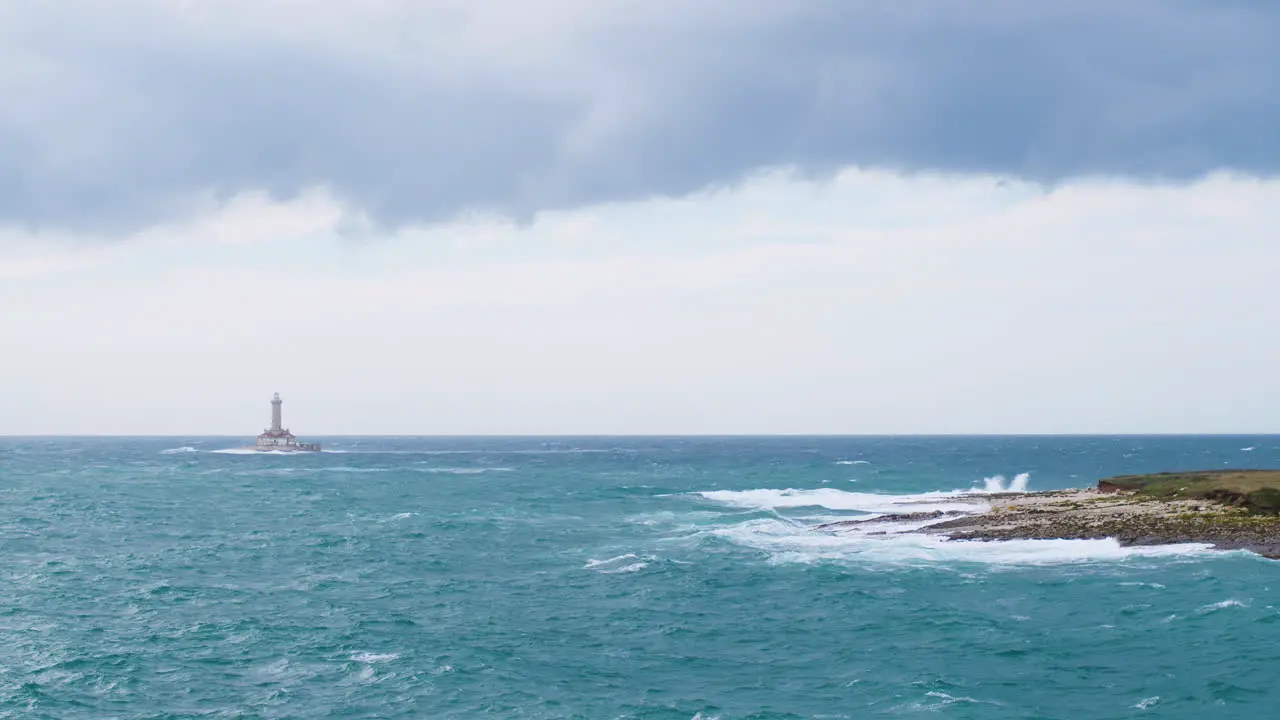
(1255, 490)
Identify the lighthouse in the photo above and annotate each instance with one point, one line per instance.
(276, 402)
(278, 438)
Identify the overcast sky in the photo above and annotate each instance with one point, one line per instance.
(597, 217)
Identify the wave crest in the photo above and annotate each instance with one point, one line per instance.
(880, 537)
(832, 499)
(997, 483)
(898, 544)
(627, 563)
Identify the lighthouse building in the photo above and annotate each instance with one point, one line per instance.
(279, 437)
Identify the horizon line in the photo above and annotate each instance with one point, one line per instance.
(142, 436)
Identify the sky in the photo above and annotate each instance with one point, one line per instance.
(608, 217)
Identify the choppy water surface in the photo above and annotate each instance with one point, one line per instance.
(606, 578)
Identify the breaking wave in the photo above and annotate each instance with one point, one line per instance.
(794, 538)
(628, 563)
(490, 451)
(832, 499)
(179, 451)
(997, 483)
(969, 500)
(463, 470)
(899, 544)
(1222, 606)
(366, 657)
(255, 451)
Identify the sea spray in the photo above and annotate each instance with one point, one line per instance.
(997, 483)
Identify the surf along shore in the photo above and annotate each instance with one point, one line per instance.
(1229, 509)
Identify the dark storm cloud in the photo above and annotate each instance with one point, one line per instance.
(116, 121)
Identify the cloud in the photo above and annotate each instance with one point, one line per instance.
(871, 303)
(139, 112)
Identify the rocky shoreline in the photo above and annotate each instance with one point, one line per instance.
(1132, 517)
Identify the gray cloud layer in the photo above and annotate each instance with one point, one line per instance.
(124, 114)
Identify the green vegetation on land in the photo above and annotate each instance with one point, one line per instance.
(1255, 490)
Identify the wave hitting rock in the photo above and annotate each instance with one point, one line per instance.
(1231, 510)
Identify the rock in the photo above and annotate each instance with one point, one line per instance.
(1133, 518)
(904, 517)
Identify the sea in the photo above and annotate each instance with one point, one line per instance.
(676, 578)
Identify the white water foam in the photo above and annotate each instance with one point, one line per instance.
(179, 451)
(254, 451)
(941, 700)
(897, 542)
(365, 657)
(621, 564)
(789, 542)
(491, 451)
(833, 499)
(965, 501)
(1222, 606)
(463, 470)
(997, 483)
(853, 462)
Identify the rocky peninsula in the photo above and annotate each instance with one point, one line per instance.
(1229, 509)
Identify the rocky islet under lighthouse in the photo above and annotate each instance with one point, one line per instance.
(278, 438)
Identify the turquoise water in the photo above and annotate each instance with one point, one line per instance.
(605, 578)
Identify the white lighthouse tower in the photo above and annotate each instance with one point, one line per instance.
(276, 402)
(278, 437)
